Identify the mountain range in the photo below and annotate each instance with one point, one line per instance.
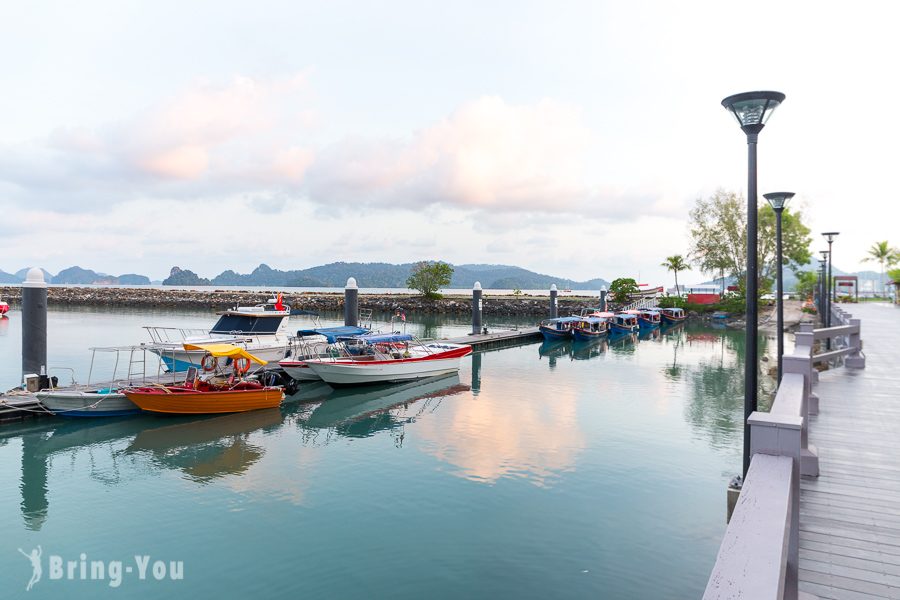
(78, 276)
(382, 275)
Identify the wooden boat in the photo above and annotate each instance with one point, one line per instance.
(558, 329)
(589, 328)
(673, 315)
(623, 323)
(649, 318)
(386, 358)
(212, 394)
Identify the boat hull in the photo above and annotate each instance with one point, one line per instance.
(205, 403)
(299, 370)
(668, 319)
(615, 327)
(647, 323)
(356, 372)
(87, 404)
(550, 333)
(583, 335)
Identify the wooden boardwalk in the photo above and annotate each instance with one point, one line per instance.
(850, 514)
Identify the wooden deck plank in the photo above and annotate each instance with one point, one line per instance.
(850, 514)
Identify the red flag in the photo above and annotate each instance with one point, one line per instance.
(278, 304)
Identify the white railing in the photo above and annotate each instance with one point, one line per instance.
(760, 552)
(642, 303)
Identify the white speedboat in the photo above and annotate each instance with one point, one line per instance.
(387, 358)
(261, 330)
(314, 343)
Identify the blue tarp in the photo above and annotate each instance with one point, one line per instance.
(333, 333)
(385, 338)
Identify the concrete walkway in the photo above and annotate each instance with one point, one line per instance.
(850, 514)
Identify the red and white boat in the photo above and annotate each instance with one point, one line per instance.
(387, 358)
(4, 308)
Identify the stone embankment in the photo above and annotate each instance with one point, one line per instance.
(114, 297)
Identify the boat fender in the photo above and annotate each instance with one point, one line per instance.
(241, 365)
(209, 363)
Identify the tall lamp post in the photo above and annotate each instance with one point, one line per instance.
(778, 200)
(830, 235)
(824, 263)
(752, 110)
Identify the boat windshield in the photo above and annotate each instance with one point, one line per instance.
(232, 323)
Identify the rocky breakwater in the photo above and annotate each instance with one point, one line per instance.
(137, 297)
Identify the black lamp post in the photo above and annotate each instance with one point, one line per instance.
(824, 263)
(830, 235)
(778, 200)
(752, 110)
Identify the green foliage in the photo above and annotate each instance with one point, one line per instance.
(517, 292)
(806, 284)
(672, 302)
(676, 263)
(718, 228)
(882, 253)
(622, 289)
(429, 277)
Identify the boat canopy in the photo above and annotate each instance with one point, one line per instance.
(224, 350)
(602, 315)
(386, 338)
(593, 319)
(565, 320)
(333, 333)
(230, 323)
(674, 310)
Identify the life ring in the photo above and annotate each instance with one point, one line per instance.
(241, 365)
(209, 363)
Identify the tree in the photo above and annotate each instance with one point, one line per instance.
(806, 283)
(894, 274)
(429, 277)
(718, 228)
(884, 254)
(623, 289)
(676, 263)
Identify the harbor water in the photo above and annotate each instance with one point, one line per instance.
(540, 471)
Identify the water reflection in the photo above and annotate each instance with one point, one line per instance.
(4, 326)
(589, 349)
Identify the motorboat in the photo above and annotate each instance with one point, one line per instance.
(589, 328)
(261, 330)
(314, 343)
(4, 308)
(386, 358)
(103, 398)
(648, 318)
(213, 392)
(673, 315)
(623, 323)
(558, 329)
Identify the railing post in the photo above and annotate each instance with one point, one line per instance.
(780, 435)
(855, 360)
(807, 339)
(809, 454)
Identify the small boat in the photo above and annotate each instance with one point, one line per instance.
(589, 328)
(558, 329)
(623, 323)
(261, 330)
(211, 394)
(387, 358)
(673, 315)
(648, 318)
(4, 308)
(314, 343)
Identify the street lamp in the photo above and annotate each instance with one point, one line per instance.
(778, 200)
(824, 263)
(830, 235)
(819, 286)
(752, 110)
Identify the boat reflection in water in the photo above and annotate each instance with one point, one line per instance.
(589, 349)
(364, 411)
(208, 447)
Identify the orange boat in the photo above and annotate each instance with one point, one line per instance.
(197, 396)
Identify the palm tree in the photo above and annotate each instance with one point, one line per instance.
(883, 253)
(676, 263)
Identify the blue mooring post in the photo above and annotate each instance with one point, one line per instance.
(351, 303)
(34, 323)
(476, 308)
(603, 293)
(554, 302)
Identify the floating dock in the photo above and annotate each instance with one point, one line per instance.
(499, 339)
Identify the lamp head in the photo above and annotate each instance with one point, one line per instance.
(830, 235)
(778, 200)
(753, 109)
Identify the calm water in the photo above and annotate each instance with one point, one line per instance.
(561, 471)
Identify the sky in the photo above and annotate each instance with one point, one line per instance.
(569, 138)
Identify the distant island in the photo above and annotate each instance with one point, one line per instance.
(78, 276)
(381, 275)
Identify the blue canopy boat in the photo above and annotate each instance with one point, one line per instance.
(589, 328)
(333, 333)
(673, 315)
(558, 329)
(623, 323)
(649, 318)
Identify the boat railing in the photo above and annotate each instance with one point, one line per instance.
(173, 335)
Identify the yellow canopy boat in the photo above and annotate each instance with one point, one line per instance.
(205, 397)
